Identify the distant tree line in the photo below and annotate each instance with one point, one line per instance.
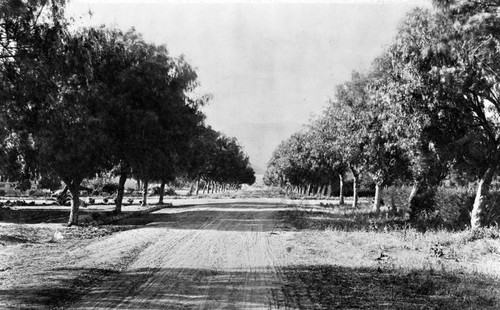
(428, 107)
(78, 102)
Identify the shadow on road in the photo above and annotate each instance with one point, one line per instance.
(272, 217)
(299, 287)
(226, 220)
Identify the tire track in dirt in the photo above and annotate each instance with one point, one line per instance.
(224, 263)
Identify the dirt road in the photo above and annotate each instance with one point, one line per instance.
(211, 257)
(245, 255)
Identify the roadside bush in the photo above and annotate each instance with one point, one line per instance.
(493, 210)
(450, 208)
(109, 188)
(453, 205)
(396, 197)
(155, 190)
(170, 192)
(446, 208)
(365, 190)
(23, 185)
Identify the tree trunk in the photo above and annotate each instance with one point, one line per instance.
(477, 216)
(191, 188)
(197, 186)
(355, 186)
(412, 210)
(145, 193)
(378, 197)
(309, 189)
(119, 194)
(394, 208)
(413, 193)
(341, 189)
(138, 184)
(319, 191)
(162, 192)
(329, 190)
(74, 188)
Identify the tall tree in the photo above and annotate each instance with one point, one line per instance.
(450, 59)
(51, 89)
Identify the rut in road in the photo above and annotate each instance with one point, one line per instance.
(224, 260)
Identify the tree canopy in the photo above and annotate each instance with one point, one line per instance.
(427, 108)
(76, 103)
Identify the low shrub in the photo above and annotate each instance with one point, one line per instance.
(450, 208)
(447, 207)
(156, 190)
(109, 188)
(170, 192)
(492, 217)
(364, 190)
(453, 206)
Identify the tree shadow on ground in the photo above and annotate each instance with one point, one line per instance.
(269, 220)
(226, 220)
(35, 215)
(228, 216)
(294, 287)
(39, 214)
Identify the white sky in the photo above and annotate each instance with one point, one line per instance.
(263, 61)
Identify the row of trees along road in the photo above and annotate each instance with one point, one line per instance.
(78, 102)
(429, 106)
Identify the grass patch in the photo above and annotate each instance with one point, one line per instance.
(342, 218)
(375, 261)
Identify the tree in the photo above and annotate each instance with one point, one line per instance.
(346, 119)
(150, 116)
(50, 96)
(450, 61)
(385, 156)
